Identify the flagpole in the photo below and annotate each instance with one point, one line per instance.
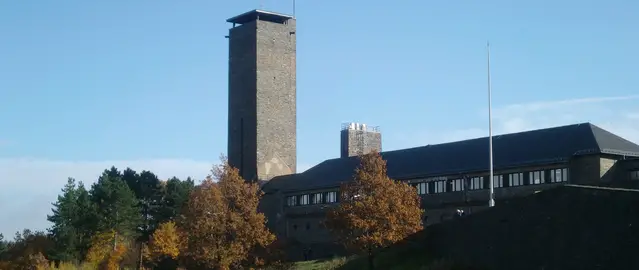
(491, 202)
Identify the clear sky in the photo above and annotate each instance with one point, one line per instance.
(89, 84)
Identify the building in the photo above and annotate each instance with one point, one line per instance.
(449, 177)
(454, 176)
(262, 95)
(357, 139)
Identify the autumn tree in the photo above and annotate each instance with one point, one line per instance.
(164, 246)
(375, 211)
(107, 250)
(22, 252)
(221, 220)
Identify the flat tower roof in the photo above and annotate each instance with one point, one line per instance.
(262, 15)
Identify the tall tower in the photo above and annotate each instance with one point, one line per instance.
(262, 95)
(359, 139)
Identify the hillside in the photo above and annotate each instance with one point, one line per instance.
(570, 227)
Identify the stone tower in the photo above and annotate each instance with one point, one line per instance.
(262, 95)
(358, 139)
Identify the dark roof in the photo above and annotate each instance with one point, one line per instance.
(262, 15)
(529, 148)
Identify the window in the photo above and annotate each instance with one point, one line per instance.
(440, 186)
(331, 197)
(457, 184)
(291, 200)
(498, 181)
(536, 177)
(634, 175)
(559, 175)
(516, 179)
(304, 199)
(476, 183)
(317, 198)
(422, 188)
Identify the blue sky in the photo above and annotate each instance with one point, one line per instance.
(89, 84)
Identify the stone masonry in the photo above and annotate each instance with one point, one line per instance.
(358, 139)
(262, 96)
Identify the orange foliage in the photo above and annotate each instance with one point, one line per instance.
(221, 220)
(107, 251)
(165, 242)
(375, 211)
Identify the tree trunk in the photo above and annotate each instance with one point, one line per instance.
(371, 259)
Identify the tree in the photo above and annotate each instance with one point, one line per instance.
(22, 253)
(164, 246)
(69, 221)
(107, 250)
(221, 220)
(3, 246)
(375, 211)
(116, 205)
(176, 194)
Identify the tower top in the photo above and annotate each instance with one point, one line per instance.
(261, 15)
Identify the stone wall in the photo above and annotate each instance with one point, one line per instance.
(262, 99)
(358, 142)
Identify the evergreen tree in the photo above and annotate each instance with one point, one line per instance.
(86, 221)
(64, 218)
(176, 194)
(3, 246)
(116, 205)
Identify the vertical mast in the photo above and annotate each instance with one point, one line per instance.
(491, 202)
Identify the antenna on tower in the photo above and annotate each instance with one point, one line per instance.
(293, 8)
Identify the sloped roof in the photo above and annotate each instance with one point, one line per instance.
(529, 148)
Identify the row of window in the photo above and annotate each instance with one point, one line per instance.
(634, 175)
(314, 198)
(441, 186)
(481, 182)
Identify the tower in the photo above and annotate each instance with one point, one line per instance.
(262, 95)
(359, 139)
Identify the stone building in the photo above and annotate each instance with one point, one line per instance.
(262, 95)
(449, 176)
(357, 139)
(454, 176)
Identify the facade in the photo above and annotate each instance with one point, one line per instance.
(357, 139)
(262, 95)
(451, 177)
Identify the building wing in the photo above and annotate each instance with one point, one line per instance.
(529, 148)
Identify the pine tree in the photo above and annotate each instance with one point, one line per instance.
(64, 218)
(3, 246)
(375, 211)
(176, 194)
(116, 205)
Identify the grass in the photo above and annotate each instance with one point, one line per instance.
(383, 262)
